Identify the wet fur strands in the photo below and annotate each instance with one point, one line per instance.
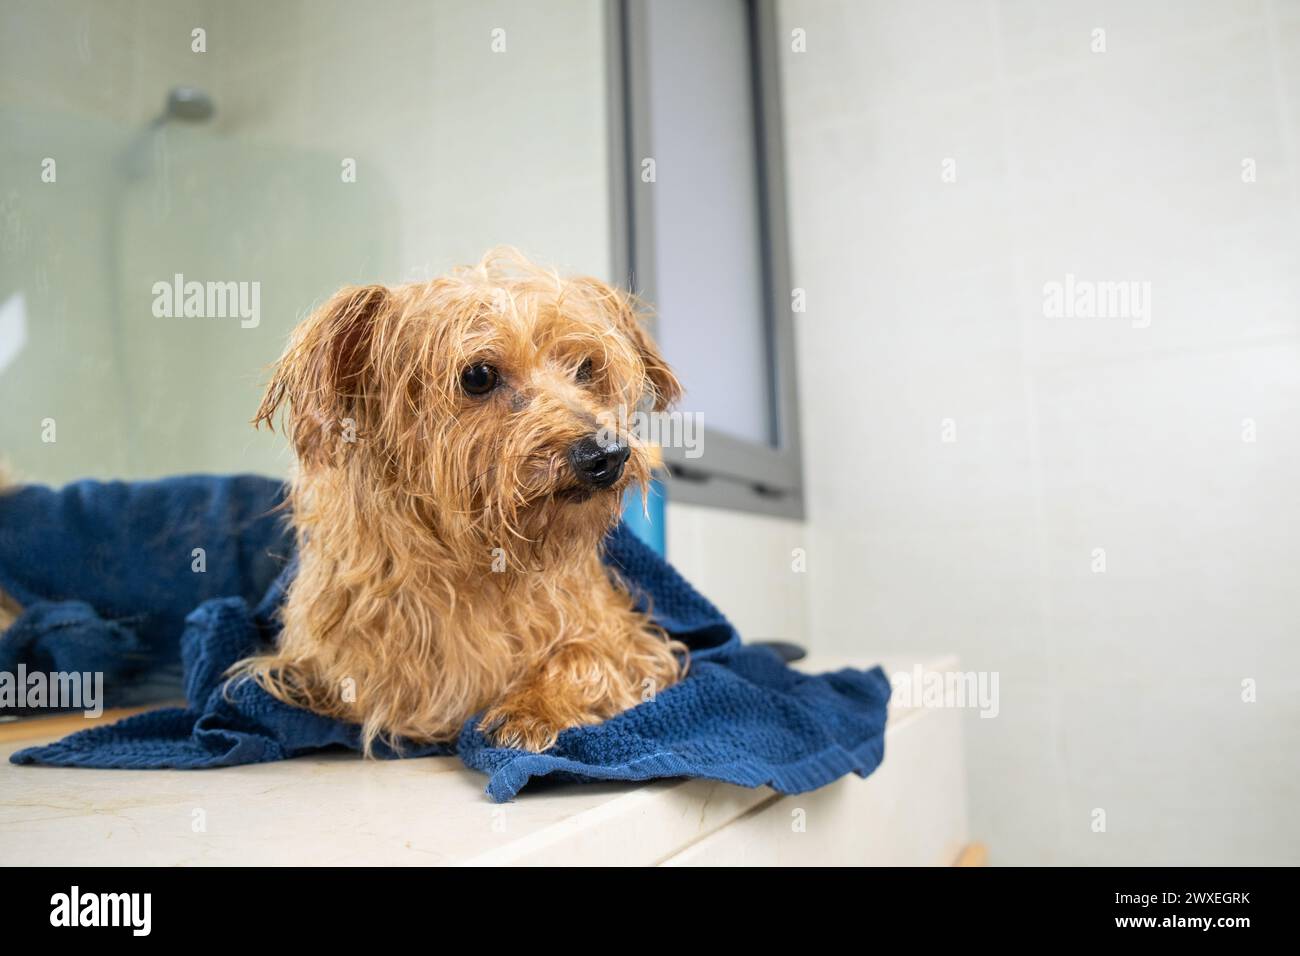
(448, 544)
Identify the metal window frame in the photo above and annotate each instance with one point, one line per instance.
(733, 473)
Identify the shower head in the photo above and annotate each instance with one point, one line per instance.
(185, 104)
(188, 104)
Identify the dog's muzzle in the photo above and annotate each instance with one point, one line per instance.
(598, 464)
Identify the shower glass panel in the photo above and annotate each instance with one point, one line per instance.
(183, 181)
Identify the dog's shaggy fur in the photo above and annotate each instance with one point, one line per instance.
(449, 557)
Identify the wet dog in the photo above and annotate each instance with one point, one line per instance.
(459, 465)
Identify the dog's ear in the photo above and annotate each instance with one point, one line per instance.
(323, 373)
(667, 390)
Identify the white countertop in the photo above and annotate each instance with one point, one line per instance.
(339, 809)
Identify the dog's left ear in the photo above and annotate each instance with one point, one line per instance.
(667, 390)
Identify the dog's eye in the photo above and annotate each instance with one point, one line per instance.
(583, 374)
(479, 379)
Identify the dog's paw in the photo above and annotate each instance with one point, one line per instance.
(507, 725)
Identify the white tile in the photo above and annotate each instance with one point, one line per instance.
(927, 303)
(745, 564)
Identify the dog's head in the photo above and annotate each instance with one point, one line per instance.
(493, 403)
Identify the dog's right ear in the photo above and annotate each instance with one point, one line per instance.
(323, 373)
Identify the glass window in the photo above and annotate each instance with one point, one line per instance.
(708, 222)
(700, 162)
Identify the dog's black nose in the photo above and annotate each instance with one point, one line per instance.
(598, 463)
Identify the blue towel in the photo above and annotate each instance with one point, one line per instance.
(106, 575)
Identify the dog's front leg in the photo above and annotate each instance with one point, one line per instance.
(569, 690)
(532, 716)
(584, 683)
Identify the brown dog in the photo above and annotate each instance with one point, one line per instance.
(458, 467)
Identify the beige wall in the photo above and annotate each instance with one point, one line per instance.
(1120, 691)
(748, 566)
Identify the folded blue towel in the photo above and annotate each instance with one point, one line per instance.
(87, 583)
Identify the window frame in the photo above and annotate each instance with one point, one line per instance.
(733, 473)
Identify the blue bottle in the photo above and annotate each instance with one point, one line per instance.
(649, 529)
